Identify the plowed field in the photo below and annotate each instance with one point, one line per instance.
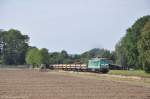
(32, 84)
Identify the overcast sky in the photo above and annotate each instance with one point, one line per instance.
(73, 25)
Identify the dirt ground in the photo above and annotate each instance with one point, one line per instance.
(32, 84)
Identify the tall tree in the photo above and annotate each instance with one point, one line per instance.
(34, 57)
(13, 47)
(144, 47)
(45, 56)
(120, 54)
(129, 44)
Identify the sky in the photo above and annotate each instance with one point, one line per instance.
(72, 25)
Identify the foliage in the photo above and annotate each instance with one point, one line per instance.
(120, 54)
(34, 57)
(144, 47)
(45, 56)
(60, 58)
(127, 50)
(13, 47)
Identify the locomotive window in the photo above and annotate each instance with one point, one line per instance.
(94, 63)
(104, 62)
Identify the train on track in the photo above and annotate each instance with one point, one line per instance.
(94, 65)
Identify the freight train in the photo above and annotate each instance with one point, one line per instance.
(94, 65)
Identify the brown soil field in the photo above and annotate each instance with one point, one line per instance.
(32, 84)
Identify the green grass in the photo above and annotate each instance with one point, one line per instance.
(139, 73)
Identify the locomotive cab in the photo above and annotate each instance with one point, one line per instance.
(99, 64)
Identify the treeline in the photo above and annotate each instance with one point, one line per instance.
(133, 50)
(15, 50)
(37, 56)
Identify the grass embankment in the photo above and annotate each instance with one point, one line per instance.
(138, 73)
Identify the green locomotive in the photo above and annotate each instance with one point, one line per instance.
(99, 65)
